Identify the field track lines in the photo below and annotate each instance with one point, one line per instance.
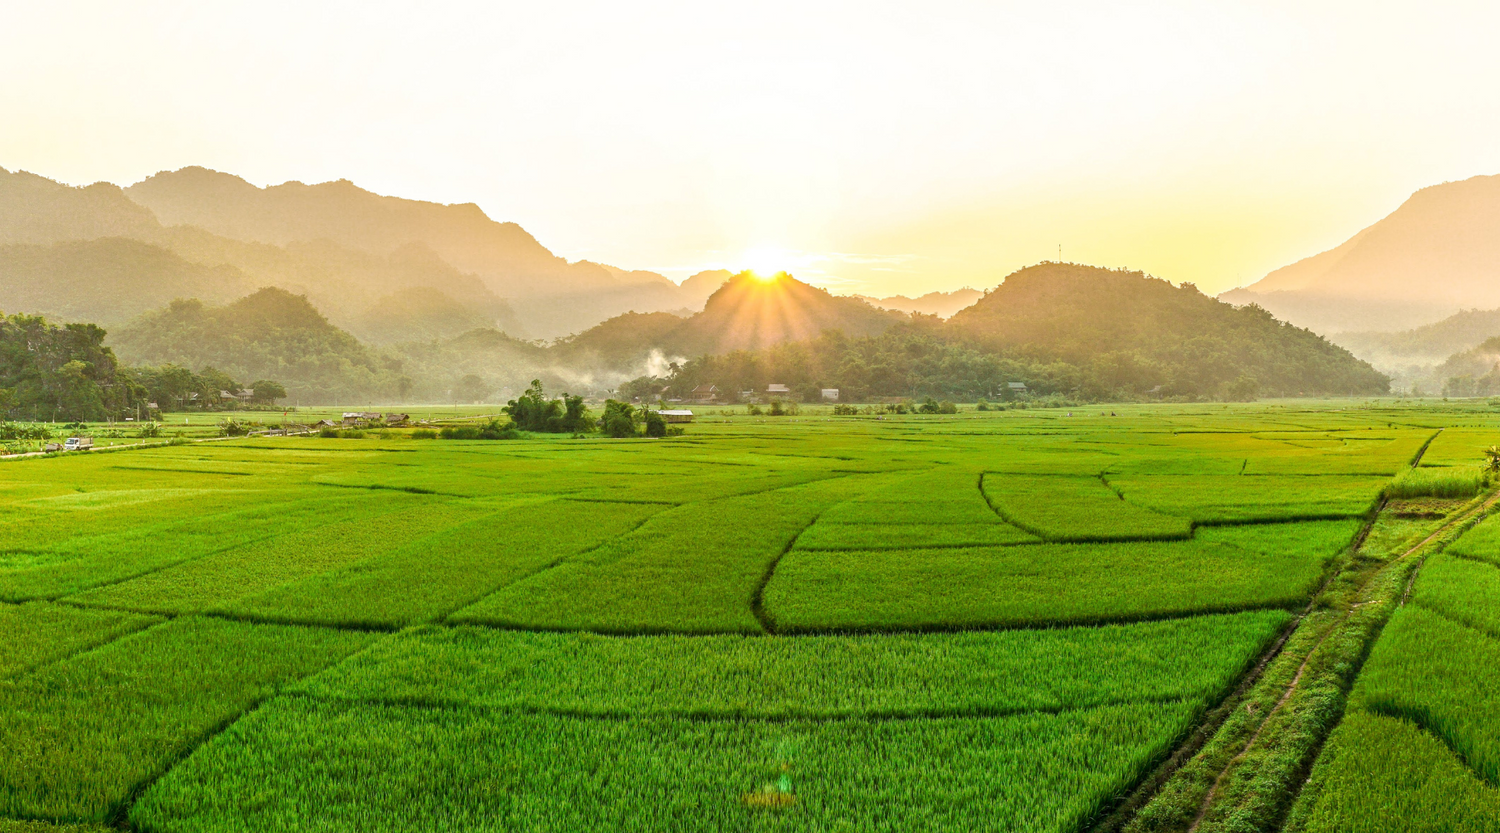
(1134, 800)
(1464, 517)
(758, 599)
(62, 598)
(14, 675)
(243, 618)
(1417, 460)
(551, 565)
(621, 715)
(1424, 722)
(120, 816)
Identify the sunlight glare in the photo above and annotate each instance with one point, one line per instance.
(766, 262)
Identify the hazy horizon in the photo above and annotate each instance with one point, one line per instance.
(867, 149)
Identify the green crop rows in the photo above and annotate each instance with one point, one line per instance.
(1001, 621)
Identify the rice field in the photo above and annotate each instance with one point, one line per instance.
(1419, 748)
(988, 621)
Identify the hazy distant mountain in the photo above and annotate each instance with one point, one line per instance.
(941, 304)
(420, 314)
(1135, 332)
(1428, 344)
(1435, 255)
(697, 289)
(552, 296)
(34, 209)
(107, 281)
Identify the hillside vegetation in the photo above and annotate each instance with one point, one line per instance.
(1062, 328)
(271, 334)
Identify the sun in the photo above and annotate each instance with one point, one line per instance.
(766, 262)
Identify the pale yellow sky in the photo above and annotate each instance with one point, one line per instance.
(872, 147)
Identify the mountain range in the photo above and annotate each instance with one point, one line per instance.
(941, 304)
(1437, 254)
(106, 254)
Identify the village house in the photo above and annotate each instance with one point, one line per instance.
(677, 415)
(778, 390)
(705, 393)
(830, 394)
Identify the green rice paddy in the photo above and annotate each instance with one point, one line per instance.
(1001, 621)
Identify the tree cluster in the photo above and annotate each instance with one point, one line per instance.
(533, 411)
(49, 372)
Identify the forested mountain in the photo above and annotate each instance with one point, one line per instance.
(749, 312)
(421, 314)
(1062, 328)
(746, 313)
(1473, 372)
(1435, 255)
(1134, 332)
(271, 334)
(37, 210)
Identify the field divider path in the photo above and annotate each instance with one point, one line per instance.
(62, 598)
(1358, 600)
(120, 817)
(758, 599)
(1144, 793)
(606, 715)
(244, 619)
(551, 565)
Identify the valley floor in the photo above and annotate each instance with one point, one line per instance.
(1145, 618)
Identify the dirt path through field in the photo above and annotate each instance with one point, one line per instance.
(1358, 602)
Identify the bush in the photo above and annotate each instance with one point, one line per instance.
(149, 430)
(492, 430)
(655, 425)
(753, 410)
(424, 434)
(845, 410)
(947, 408)
(232, 428)
(459, 432)
(618, 420)
(12, 431)
(328, 432)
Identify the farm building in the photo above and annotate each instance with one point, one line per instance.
(677, 415)
(830, 394)
(778, 390)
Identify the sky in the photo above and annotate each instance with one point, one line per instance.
(864, 146)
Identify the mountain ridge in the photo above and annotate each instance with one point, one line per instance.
(1436, 254)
